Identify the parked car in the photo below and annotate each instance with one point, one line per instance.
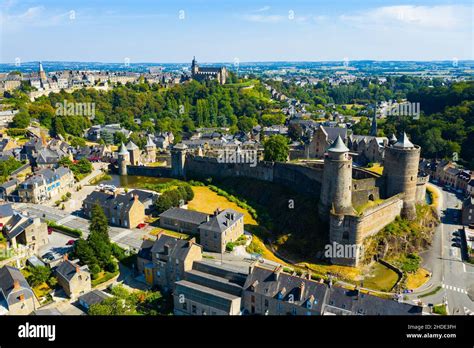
(456, 244)
(71, 242)
(142, 225)
(50, 230)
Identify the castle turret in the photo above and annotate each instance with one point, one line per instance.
(401, 172)
(336, 194)
(178, 159)
(123, 159)
(150, 149)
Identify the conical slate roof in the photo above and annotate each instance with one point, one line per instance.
(123, 150)
(131, 146)
(404, 142)
(149, 142)
(338, 146)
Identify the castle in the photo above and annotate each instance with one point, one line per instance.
(208, 73)
(355, 202)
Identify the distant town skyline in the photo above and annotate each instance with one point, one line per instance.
(245, 31)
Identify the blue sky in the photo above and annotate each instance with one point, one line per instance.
(225, 30)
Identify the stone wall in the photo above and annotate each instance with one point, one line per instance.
(372, 220)
(363, 190)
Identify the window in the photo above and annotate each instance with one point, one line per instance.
(345, 235)
(185, 306)
(252, 298)
(193, 309)
(266, 303)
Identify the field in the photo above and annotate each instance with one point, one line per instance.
(207, 201)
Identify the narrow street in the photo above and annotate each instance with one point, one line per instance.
(453, 277)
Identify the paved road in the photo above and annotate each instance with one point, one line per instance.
(122, 236)
(444, 260)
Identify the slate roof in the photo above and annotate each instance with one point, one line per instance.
(358, 303)
(17, 225)
(404, 142)
(177, 248)
(6, 210)
(93, 297)
(185, 215)
(123, 202)
(67, 269)
(222, 221)
(334, 132)
(123, 150)
(338, 146)
(8, 275)
(131, 146)
(335, 300)
(205, 295)
(266, 282)
(145, 250)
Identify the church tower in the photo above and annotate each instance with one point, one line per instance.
(336, 189)
(401, 172)
(123, 159)
(194, 67)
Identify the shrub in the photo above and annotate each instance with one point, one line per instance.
(111, 267)
(95, 270)
(229, 246)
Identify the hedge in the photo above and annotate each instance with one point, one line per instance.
(67, 230)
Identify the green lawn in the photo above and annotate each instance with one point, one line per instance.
(380, 278)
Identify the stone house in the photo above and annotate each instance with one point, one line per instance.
(322, 138)
(46, 184)
(74, 279)
(124, 210)
(170, 259)
(268, 292)
(16, 295)
(183, 220)
(223, 227)
(26, 230)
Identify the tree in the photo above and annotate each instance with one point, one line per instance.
(21, 120)
(276, 149)
(163, 203)
(99, 223)
(38, 275)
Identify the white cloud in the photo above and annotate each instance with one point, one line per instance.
(264, 18)
(263, 9)
(442, 17)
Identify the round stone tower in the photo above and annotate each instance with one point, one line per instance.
(401, 172)
(336, 189)
(178, 160)
(123, 159)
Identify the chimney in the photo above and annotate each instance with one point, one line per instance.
(21, 297)
(78, 269)
(65, 257)
(301, 291)
(135, 197)
(277, 271)
(115, 193)
(16, 284)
